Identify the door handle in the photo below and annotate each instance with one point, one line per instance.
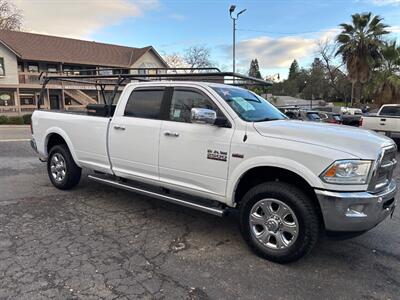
(169, 133)
(119, 127)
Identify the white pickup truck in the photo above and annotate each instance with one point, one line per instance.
(387, 120)
(218, 148)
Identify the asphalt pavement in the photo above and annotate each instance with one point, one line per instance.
(98, 242)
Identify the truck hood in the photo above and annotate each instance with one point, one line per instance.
(361, 143)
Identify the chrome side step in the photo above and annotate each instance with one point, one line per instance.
(211, 210)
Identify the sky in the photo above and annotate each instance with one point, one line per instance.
(274, 31)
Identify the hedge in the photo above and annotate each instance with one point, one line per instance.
(15, 120)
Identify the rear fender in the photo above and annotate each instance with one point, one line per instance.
(63, 134)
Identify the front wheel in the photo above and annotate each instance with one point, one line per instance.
(278, 221)
(62, 169)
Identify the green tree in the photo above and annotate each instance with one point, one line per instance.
(359, 44)
(294, 70)
(386, 83)
(317, 86)
(254, 70)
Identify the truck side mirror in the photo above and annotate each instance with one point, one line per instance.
(203, 116)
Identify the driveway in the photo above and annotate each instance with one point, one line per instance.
(98, 242)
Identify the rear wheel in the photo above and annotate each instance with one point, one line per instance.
(62, 169)
(278, 221)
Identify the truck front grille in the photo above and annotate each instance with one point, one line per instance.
(384, 169)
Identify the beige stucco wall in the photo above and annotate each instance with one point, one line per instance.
(148, 60)
(10, 66)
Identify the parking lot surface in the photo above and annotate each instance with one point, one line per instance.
(98, 242)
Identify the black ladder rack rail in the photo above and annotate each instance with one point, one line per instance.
(171, 74)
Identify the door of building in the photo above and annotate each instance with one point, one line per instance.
(54, 102)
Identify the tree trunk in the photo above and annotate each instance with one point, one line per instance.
(352, 93)
(356, 88)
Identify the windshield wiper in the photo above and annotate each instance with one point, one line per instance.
(267, 119)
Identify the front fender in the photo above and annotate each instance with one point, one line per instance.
(269, 161)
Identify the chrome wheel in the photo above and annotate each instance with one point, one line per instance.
(273, 224)
(57, 167)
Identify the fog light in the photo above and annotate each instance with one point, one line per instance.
(356, 211)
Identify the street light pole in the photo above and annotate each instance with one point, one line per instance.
(234, 45)
(231, 10)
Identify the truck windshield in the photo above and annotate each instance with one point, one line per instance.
(248, 106)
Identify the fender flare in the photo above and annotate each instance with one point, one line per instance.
(269, 161)
(62, 133)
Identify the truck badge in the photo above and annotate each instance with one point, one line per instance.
(217, 155)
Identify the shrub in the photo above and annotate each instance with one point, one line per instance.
(3, 120)
(27, 119)
(17, 120)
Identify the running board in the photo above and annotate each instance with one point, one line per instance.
(208, 209)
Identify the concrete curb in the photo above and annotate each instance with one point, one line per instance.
(14, 126)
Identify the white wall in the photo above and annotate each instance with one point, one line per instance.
(10, 66)
(148, 59)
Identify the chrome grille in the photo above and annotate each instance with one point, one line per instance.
(384, 167)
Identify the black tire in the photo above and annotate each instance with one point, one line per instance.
(305, 214)
(72, 171)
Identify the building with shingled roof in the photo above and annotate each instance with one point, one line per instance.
(24, 56)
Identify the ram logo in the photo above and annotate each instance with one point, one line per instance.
(217, 155)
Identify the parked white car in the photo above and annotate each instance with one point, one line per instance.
(350, 111)
(215, 148)
(386, 121)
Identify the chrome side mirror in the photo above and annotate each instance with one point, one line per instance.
(203, 116)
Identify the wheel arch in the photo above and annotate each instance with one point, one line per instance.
(58, 137)
(259, 174)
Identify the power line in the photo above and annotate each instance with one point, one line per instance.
(286, 33)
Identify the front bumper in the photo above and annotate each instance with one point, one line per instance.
(356, 211)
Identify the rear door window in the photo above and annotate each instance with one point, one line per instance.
(145, 104)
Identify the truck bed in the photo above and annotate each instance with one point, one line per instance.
(83, 140)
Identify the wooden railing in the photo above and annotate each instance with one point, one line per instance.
(28, 78)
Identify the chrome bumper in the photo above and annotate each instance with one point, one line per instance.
(356, 211)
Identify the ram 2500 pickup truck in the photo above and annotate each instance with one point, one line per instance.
(218, 148)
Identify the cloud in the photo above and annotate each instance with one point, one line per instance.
(386, 2)
(75, 18)
(394, 29)
(277, 52)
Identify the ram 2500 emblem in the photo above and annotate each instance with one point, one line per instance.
(217, 155)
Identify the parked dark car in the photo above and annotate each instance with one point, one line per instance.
(310, 116)
(352, 120)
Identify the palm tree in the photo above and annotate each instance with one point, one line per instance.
(359, 45)
(387, 76)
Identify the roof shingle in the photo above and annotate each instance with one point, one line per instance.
(38, 47)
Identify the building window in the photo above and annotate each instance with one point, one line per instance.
(52, 68)
(34, 68)
(20, 67)
(27, 100)
(2, 69)
(72, 70)
(6, 99)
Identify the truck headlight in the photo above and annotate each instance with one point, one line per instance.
(347, 172)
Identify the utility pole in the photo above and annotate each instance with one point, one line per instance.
(231, 10)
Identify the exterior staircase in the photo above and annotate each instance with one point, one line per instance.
(80, 97)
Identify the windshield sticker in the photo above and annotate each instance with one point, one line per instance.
(225, 92)
(243, 103)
